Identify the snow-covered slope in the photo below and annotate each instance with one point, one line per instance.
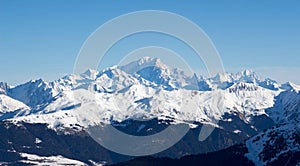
(287, 106)
(8, 104)
(276, 146)
(32, 159)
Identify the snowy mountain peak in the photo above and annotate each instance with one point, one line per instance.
(248, 72)
(290, 87)
(243, 76)
(247, 76)
(38, 82)
(222, 77)
(111, 72)
(152, 62)
(90, 74)
(142, 63)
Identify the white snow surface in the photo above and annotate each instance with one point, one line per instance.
(8, 104)
(33, 159)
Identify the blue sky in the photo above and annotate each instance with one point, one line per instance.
(41, 39)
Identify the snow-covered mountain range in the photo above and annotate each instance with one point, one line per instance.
(147, 89)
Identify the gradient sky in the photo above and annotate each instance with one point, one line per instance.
(41, 39)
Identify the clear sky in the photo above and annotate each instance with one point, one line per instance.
(41, 39)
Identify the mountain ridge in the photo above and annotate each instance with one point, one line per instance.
(150, 76)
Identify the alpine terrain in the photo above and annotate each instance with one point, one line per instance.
(255, 120)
